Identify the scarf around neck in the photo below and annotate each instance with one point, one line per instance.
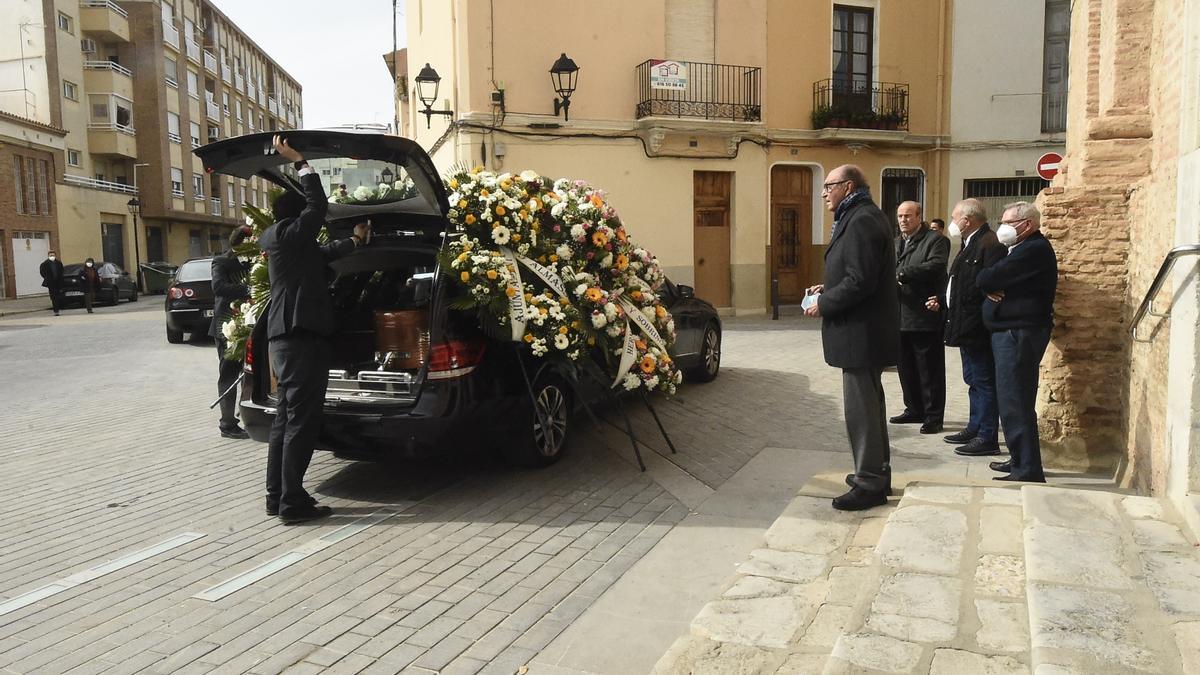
(851, 199)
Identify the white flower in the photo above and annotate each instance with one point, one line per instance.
(529, 176)
(561, 341)
(454, 198)
(598, 320)
(671, 326)
(652, 382)
(564, 252)
(532, 312)
(228, 328)
(249, 221)
(501, 235)
(523, 249)
(631, 382)
(580, 290)
(363, 193)
(606, 261)
(613, 330)
(648, 312)
(678, 376)
(610, 310)
(558, 209)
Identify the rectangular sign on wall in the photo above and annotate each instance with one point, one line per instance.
(671, 75)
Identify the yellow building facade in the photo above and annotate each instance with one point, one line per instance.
(712, 125)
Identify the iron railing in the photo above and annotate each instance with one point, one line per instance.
(84, 181)
(1054, 112)
(1147, 306)
(709, 91)
(860, 105)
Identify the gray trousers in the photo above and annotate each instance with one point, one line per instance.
(866, 427)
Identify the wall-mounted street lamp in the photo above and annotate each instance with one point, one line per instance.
(427, 89)
(386, 175)
(564, 74)
(135, 207)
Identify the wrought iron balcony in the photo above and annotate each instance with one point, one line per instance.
(710, 91)
(860, 105)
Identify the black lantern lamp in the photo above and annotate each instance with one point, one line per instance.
(427, 90)
(564, 74)
(386, 176)
(135, 207)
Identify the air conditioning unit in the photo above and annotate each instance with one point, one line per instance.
(214, 133)
(87, 46)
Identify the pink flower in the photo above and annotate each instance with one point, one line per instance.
(557, 228)
(591, 255)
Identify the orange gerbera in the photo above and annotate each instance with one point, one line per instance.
(562, 329)
(594, 294)
(596, 201)
(660, 311)
(622, 262)
(483, 192)
(529, 337)
(641, 345)
(599, 239)
(510, 291)
(647, 364)
(491, 274)
(499, 210)
(621, 236)
(470, 219)
(465, 276)
(635, 294)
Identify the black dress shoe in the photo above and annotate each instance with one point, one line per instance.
(931, 428)
(907, 418)
(306, 515)
(273, 509)
(978, 448)
(858, 499)
(1013, 479)
(961, 437)
(1002, 467)
(236, 432)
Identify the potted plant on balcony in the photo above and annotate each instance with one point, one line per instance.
(862, 120)
(892, 120)
(822, 117)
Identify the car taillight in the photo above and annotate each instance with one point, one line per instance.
(175, 293)
(248, 362)
(455, 358)
(187, 292)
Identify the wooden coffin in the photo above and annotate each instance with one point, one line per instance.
(401, 338)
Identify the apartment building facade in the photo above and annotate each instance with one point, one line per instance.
(136, 85)
(712, 125)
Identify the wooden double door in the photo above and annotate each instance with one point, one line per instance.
(795, 262)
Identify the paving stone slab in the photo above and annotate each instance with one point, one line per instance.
(1142, 507)
(784, 565)
(1175, 580)
(1159, 536)
(877, 652)
(1073, 509)
(1080, 557)
(912, 629)
(1187, 640)
(868, 532)
(757, 622)
(803, 664)
(1002, 496)
(1001, 530)
(1099, 625)
(919, 595)
(830, 622)
(1000, 575)
(924, 538)
(846, 583)
(1004, 626)
(808, 536)
(757, 587)
(941, 494)
(694, 654)
(959, 662)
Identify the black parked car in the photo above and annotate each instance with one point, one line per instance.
(189, 300)
(467, 388)
(115, 284)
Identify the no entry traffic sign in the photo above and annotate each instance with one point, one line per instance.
(1047, 165)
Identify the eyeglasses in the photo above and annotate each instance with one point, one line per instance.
(829, 186)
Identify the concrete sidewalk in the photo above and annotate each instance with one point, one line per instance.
(37, 303)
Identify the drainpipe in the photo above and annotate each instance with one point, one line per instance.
(941, 103)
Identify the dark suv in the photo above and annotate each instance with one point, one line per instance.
(458, 386)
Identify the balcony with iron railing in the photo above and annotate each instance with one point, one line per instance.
(839, 103)
(1054, 112)
(84, 181)
(710, 91)
(210, 62)
(193, 50)
(171, 35)
(108, 76)
(104, 19)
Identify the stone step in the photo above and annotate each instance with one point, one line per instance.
(947, 596)
(1113, 583)
(787, 605)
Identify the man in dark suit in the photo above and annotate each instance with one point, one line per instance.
(1019, 312)
(860, 328)
(964, 327)
(921, 259)
(299, 322)
(229, 286)
(51, 270)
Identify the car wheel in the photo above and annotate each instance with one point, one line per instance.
(547, 429)
(134, 297)
(710, 356)
(116, 297)
(174, 336)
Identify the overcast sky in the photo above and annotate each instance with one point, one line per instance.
(334, 49)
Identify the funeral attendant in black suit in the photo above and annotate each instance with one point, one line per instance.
(921, 258)
(299, 322)
(51, 270)
(860, 328)
(229, 286)
(963, 305)
(1019, 311)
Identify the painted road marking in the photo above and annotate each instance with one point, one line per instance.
(255, 574)
(93, 573)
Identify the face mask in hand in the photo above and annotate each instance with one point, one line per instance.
(955, 230)
(1007, 234)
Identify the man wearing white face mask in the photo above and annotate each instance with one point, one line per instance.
(51, 270)
(1019, 311)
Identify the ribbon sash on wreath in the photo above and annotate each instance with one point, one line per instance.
(516, 298)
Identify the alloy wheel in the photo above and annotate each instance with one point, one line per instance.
(712, 351)
(550, 424)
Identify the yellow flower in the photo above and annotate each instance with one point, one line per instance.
(491, 274)
(516, 236)
(599, 239)
(543, 311)
(470, 219)
(462, 203)
(636, 295)
(660, 311)
(453, 183)
(524, 213)
(477, 169)
(510, 291)
(553, 258)
(562, 300)
(622, 262)
(483, 192)
(647, 364)
(500, 210)
(594, 294)
(591, 340)
(529, 337)
(562, 330)
(596, 201)
(504, 185)
(528, 297)
(466, 276)
(575, 325)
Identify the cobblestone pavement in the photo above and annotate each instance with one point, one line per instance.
(473, 567)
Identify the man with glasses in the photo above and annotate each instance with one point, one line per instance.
(859, 310)
(1019, 312)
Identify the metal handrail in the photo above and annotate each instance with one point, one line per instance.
(1147, 305)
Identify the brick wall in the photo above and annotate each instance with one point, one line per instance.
(10, 220)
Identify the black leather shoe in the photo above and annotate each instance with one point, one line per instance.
(961, 437)
(1013, 479)
(306, 515)
(931, 428)
(1002, 467)
(273, 509)
(907, 418)
(978, 448)
(858, 499)
(236, 432)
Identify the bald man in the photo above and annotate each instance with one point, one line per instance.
(858, 311)
(921, 258)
